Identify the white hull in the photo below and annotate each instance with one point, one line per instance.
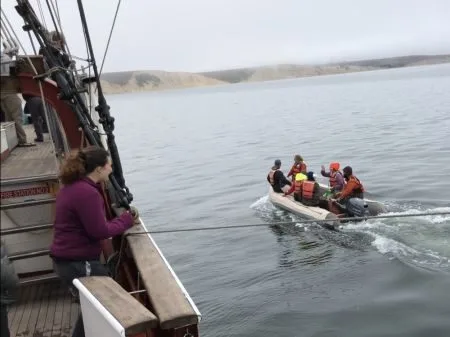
(289, 204)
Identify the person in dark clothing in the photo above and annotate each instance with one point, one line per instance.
(80, 222)
(35, 107)
(9, 289)
(277, 180)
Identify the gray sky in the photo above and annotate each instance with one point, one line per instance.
(197, 35)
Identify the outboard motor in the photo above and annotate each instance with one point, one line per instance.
(357, 207)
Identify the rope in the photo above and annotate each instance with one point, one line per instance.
(7, 34)
(57, 12)
(42, 13)
(53, 20)
(32, 43)
(109, 38)
(63, 46)
(34, 69)
(351, 219)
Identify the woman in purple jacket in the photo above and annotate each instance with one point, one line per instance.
(80, 220)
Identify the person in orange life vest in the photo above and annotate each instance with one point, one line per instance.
(310, 191)
(336, 177)
(297, 187)
(352, 189)
(298, 167)
(277, 179)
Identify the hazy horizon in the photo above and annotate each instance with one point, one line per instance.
(208, 35)
(280, 64)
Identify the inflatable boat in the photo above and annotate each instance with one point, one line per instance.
(331, 220)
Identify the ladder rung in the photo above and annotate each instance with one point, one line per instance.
(27, 203)
(38, 279)
(25, 229)
(28, 254)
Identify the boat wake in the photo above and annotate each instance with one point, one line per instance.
(422, 241)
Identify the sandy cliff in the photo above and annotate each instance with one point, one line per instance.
(135, 81)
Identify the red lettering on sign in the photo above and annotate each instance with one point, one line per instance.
(26, 192)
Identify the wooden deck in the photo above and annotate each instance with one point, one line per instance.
(43, 310)
(36, 162)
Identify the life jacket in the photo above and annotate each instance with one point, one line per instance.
(271, 176)
(298, 168)
(298, 186)
(333, 179)
(357, 192)
(308, 189)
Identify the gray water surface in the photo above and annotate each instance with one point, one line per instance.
(199, 158)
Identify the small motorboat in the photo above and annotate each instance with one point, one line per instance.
(330, 220)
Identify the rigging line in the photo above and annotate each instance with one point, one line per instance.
(109, 38)
(65, 45)
(193, 229)
(51, 15)
(7, 33)
(56, 9)
(9, 36)
(42, 13)
(32, 43)
(65, 81)
(3, 34)
(35, 72)
(107, 121)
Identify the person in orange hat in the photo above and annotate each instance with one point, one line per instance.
(336, 177)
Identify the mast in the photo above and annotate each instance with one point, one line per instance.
(70, 91)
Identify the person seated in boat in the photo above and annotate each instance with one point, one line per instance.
(336, 177)
(310, 191)
(352, 196)
(277, 179)
(80, 222)
(298, 167)
(297, 187)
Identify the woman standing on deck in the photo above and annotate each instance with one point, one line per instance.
(80, 220)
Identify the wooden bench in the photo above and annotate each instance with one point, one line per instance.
(127, 311)
(169, 299)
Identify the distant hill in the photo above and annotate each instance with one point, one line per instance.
(133, 81)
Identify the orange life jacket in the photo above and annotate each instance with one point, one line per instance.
(357, 192)
(308, 189)
(298, 186)
(298, 168)
(333, 178)
(271, 177)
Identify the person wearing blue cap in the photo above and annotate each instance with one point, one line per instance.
(277, 180)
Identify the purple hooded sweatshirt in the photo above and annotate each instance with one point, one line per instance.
(80, 222)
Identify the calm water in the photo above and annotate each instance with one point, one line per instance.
(199, 157)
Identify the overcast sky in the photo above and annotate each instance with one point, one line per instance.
(197, 35)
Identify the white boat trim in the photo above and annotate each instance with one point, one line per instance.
(289, 204)
(186, 294)
(98, 306)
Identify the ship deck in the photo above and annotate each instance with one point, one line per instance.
(43, 310)
(30, 163)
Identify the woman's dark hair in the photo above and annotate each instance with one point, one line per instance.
(82, 162)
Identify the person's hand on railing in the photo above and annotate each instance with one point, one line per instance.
(135, 213)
